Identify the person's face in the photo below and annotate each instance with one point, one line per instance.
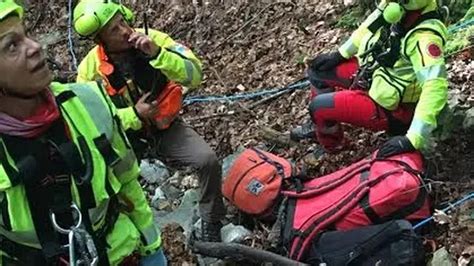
(22, 62)
(114, 36)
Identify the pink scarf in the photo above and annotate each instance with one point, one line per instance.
(33, 126)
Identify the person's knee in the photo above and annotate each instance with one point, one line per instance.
(320, 102)
(206, 159)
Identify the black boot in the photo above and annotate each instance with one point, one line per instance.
(211, 231)
(305, 131)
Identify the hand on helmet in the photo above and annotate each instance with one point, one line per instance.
(144, 43)
(327, 61)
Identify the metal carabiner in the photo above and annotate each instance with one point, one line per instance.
(63, 231)
(72, 252)
(69, 232)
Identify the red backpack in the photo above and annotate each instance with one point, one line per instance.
(255, 180)
(371, 191)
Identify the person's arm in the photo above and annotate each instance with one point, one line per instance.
(350, 47)
(175, 60)
(425, 50)
(87, 71)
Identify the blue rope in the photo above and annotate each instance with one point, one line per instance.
(450, 207)
(69, 36)
(459, 26)
(243, 96)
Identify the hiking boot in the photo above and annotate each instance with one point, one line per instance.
(305, 131)
(211, 231)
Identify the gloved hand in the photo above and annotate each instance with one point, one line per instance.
(327, 61)
(394, 146)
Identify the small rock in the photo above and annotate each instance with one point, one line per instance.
(162, 205)
(154, 171)
(175, 180)
(469, 119)
(171, 192)
(185, 214)
(190, 181)
(241, 87)
(234, 234)
(442, 258)
(158, 195)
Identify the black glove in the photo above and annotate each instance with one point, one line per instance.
(326, 61)
(394, 146)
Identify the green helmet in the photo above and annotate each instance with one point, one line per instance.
(414, 4)
(90, 16)
(8, 7)
(393, 13)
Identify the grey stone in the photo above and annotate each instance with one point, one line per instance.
(229, 160)
(154, 171)
(234, 233)
(159, 194)
(442, 258)
(171, 192)
(185, 215)
(468, 123)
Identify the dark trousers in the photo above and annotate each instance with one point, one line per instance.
(181, 145)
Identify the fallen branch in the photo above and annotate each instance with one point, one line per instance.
(240, 252)
(276, 137)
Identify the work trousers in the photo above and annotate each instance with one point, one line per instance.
(335, 100)
(181, 145)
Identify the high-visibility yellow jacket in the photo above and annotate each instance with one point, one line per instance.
(175, 61)
(89, 113)
(419, 76)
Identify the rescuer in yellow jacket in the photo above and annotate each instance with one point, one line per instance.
(66, 167)
(389, 75)
(144, 70)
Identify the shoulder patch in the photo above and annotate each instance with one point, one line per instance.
(434, 50)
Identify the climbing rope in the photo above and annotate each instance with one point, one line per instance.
(245, 96)
(69, 36)
(459, 26)
(450, 207)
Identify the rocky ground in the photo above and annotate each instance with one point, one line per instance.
(251, 45)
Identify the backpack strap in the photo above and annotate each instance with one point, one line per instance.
(278, 166)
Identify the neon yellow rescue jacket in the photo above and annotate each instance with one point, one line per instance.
(419, 76)
(88, 113)
(175, 61)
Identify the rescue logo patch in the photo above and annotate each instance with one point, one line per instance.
(434, 50)
(255, 187)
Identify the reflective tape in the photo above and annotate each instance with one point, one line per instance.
(95, 107)
(124, 164)
(349, 48)
(421, 128)
(432, 72)
(150, 234)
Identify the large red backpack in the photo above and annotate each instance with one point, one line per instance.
(371, 191)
